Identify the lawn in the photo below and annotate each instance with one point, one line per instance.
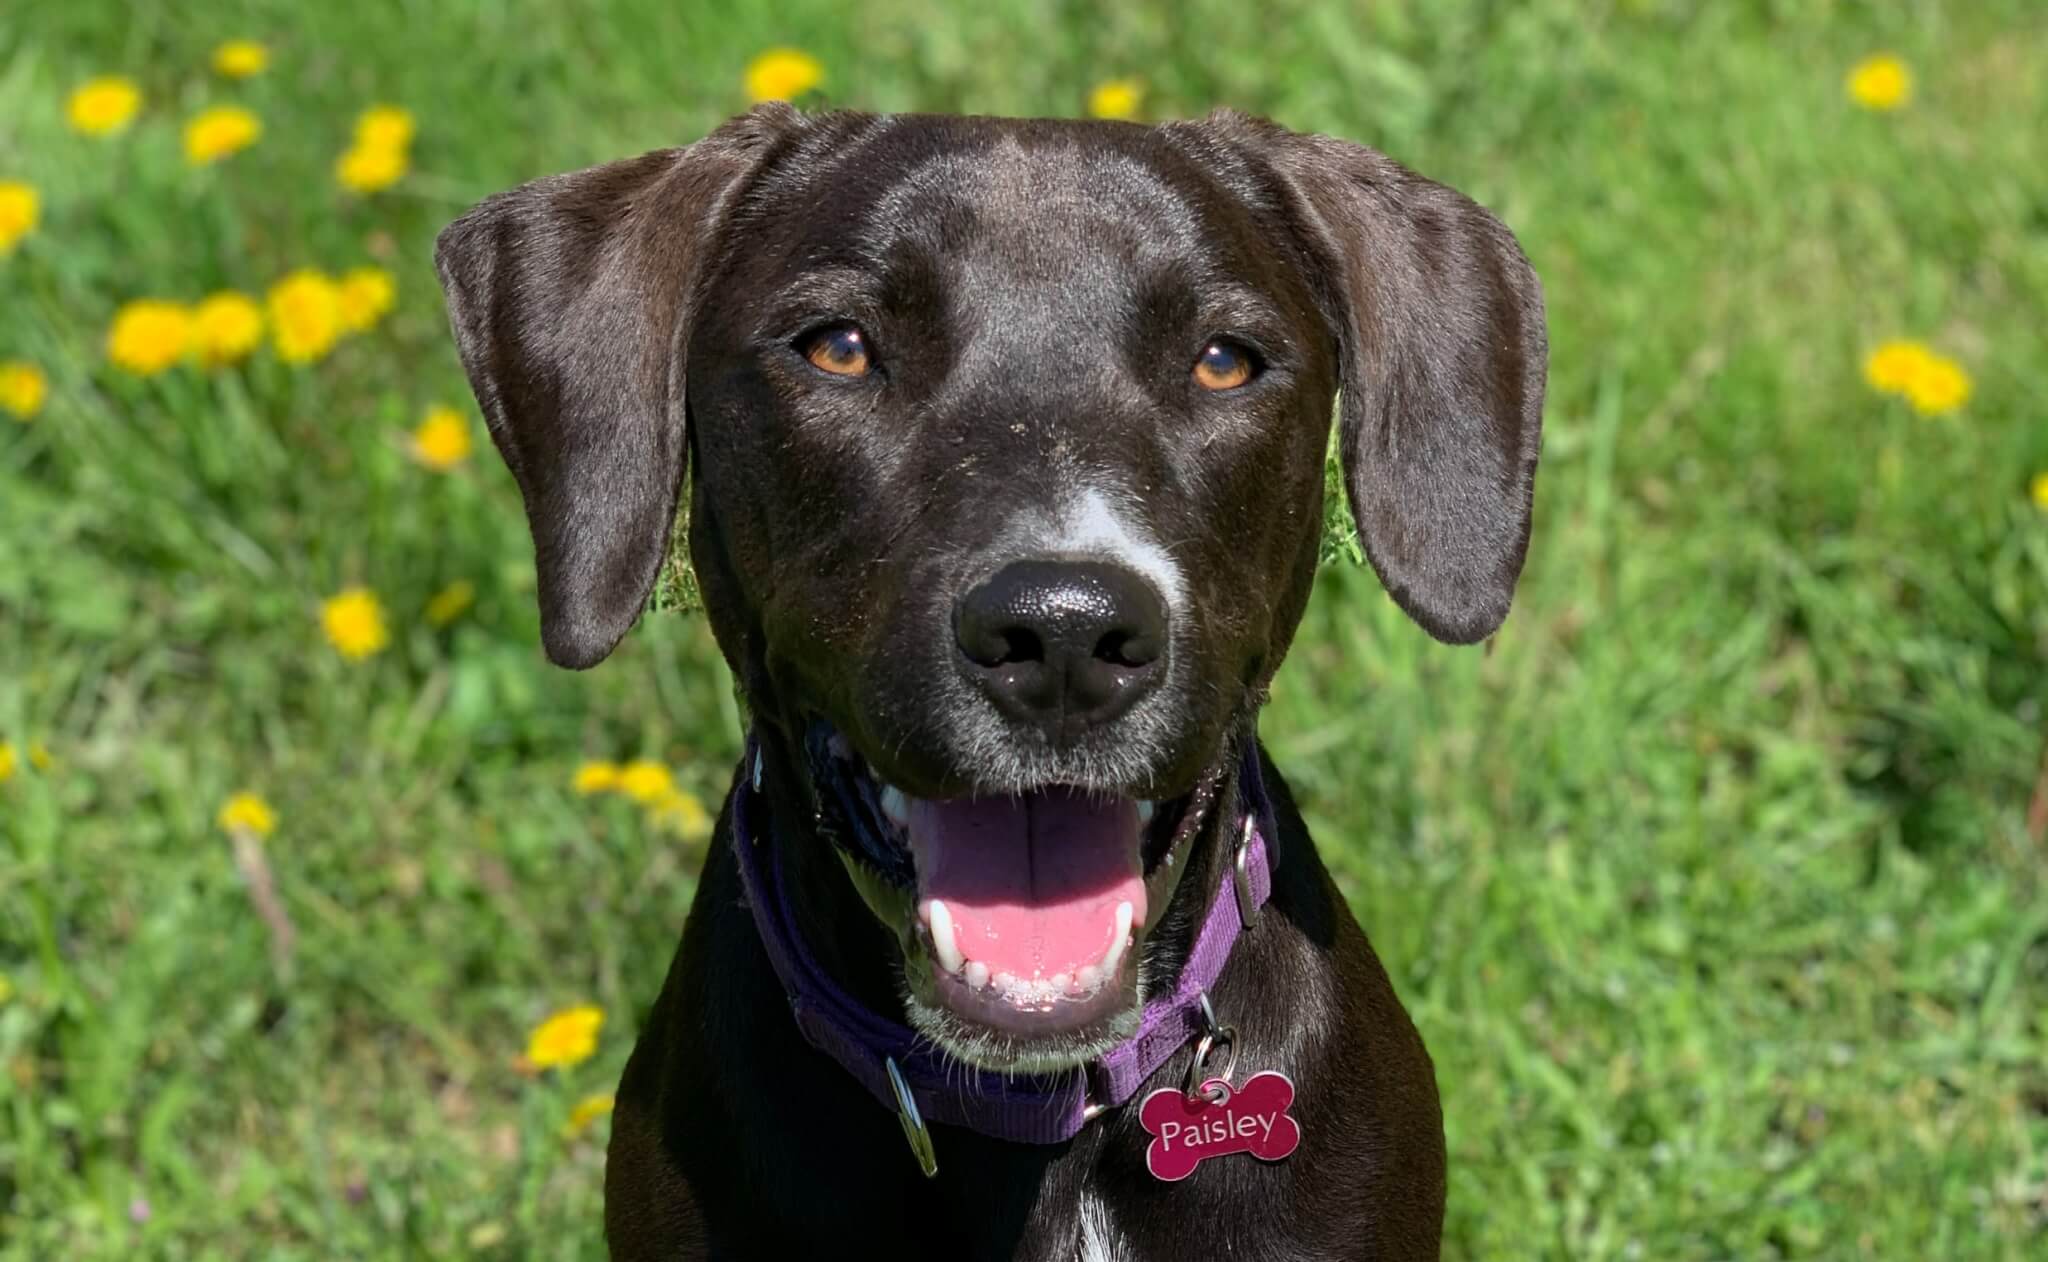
(1711, 882)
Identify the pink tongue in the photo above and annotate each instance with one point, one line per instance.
(1033, 882)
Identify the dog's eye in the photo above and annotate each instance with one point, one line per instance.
(1223, 366)
(840, 349)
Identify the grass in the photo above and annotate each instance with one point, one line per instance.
(1710, 883)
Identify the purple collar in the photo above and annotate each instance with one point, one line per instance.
(1031, 1109)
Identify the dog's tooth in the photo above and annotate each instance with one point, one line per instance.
(1059, 982)
(1122, 939)
(1088, 978)
(1004, 982)
(1145, 810)
(943, 943)
(896, 806)
(977, 974)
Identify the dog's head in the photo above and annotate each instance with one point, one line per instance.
(1008, 442)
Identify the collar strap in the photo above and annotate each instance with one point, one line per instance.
(1023, 1108)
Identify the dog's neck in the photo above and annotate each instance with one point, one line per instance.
(840, 931)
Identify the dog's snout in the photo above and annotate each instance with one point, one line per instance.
(1065, 645)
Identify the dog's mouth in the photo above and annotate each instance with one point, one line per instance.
(1021, 918)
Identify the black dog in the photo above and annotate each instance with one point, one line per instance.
(1008, 442)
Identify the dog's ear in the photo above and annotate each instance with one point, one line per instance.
(570, 299)
(1439, 320)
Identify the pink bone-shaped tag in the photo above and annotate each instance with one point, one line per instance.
(1251, 1118)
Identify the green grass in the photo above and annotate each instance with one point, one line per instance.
(1710, 884)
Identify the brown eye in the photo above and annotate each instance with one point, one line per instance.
(841, 350)
(1223, 366)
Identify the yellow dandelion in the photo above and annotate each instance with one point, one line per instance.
(220, 132)
(149, 335)
(226, 328)
(683, 814)
(596, 776)
(442, 440)
(1880, 82)
(366, 169)
(1116, 98)
(646, 781)
(305, 315)
(240, 58)
(1941, 386)
(451, 602)
(1894, 365)
(20, 208)
(587, 1110)
(569, 1037)
(103, 106)
(8, 761)
(354, 622)
(367, 294)
(23, 387)
(2037, 490)
(782, 74)
(247, 813)
(384, 127)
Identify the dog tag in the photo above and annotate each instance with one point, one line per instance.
(1220, 1120)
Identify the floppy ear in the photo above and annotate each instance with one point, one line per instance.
(570, 299)
(1440, 323)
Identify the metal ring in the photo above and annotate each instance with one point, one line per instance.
(1241, 876)
(1199, 1072)
(912, 1121)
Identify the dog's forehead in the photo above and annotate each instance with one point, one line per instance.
(958, 186)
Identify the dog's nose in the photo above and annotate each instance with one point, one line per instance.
(1066, 645)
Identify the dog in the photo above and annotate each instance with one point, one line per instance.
(1005, 446)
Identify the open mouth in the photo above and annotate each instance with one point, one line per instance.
(1021, 918)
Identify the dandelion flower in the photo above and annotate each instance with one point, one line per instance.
(367, 169)
(23, 387)
(240, 58)
(247, 813)
(1894, 365)
(683, 814)
(646, 781)
(149, 335)
(569, 1037)
(596, 777)
(451, 602)
(20, 208)
(305, 316)
(103, 106)
(226, 328)
(782, 74)
(8, 761)
(1932, 382)
(587, 1110)
(2037, 490)
(442, 440)
(1940, 387)
(1881, 82)
(367, 294)
(354, 622)
(220, 132)
(1116, 98)
(384, 127)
